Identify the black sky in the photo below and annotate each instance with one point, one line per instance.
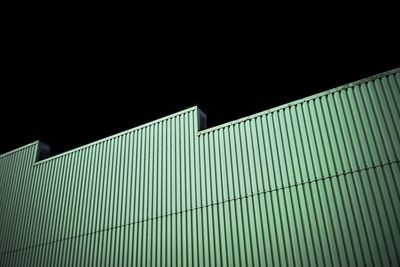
(70, 85)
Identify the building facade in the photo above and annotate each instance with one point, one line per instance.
(315, 182)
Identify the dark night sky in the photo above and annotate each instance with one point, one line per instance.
(70, 85)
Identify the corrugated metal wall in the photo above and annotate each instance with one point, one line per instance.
(315, 182)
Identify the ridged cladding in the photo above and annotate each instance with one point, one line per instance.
(314, 183)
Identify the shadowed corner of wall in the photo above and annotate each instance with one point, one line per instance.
(202, 119)
(43, 151)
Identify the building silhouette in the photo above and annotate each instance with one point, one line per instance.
(315, 182)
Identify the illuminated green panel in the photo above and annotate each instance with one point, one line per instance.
(314, 182)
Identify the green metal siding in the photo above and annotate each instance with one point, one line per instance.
(314, 182)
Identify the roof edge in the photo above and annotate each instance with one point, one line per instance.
(20, 148)
(299, 101)
(193, 108)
